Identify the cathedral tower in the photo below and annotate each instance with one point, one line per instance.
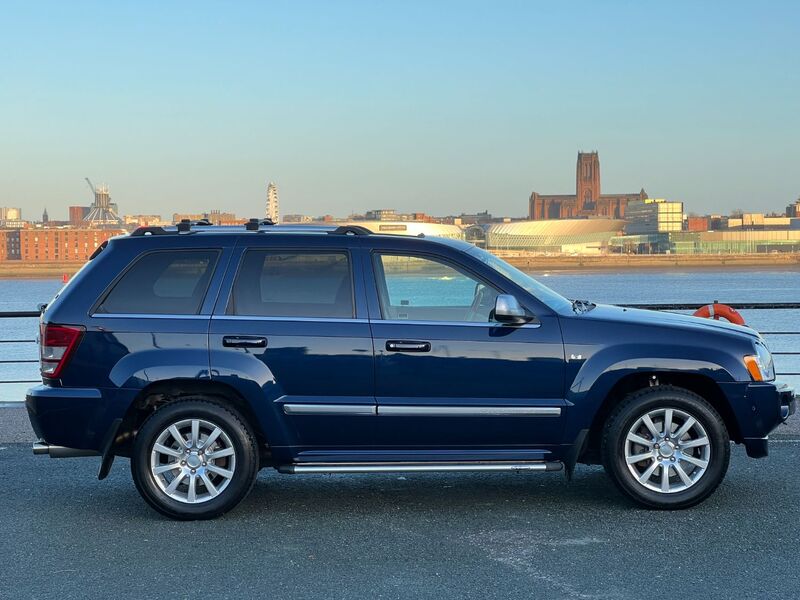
(587, 182)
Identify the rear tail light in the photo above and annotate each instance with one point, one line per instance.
(57, 343)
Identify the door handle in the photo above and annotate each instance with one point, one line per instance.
(407, 346)
(244, 341)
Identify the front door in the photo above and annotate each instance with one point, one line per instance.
(450, 382)
(293, 338)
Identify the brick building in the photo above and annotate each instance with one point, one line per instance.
(215, 217)
(52, 245)
(587, 201)
(77, 214)
(698, 223)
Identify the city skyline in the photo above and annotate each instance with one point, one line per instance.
(443, 108)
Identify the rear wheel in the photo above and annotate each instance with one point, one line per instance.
(194, 459)
(666, 448)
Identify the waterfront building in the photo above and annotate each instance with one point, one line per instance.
(178, 217)
(381, 214)
(273, 208)
(758, 221)
(215, 217)
(480, 218)
(52, 245)
(9, 244)
(730, 241)
(9, 213)
(11, 217)
(77, 214)
(564, 236)
(298, 219)
(698, 223)
(143, 220)
(588, 201)
(653, 215)
(390, 214)
(793, 210)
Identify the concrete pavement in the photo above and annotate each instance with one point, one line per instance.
(506, 536)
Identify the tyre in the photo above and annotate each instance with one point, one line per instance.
(666, 447)
(194, 458)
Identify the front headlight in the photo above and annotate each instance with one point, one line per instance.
(760, 365)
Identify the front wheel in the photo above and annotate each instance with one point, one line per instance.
(666, 448)
(194, 459)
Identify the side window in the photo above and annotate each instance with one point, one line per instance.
(293, 284)
(171, 283)
(422, 289)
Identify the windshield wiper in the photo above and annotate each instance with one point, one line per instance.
(582, 306)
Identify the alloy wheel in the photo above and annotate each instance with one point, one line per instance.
(192, 461)
(667, 450)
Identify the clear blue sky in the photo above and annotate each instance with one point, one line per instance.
(421, 105)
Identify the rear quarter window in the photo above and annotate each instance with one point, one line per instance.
(163, 282)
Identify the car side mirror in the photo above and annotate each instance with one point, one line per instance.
(508, 310)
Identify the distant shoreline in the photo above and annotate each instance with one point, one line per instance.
(766, 262)
(40, 270)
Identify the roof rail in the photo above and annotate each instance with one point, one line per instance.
(350, 230)
(153, 230)
(254, 224)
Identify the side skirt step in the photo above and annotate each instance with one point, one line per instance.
(418, 467)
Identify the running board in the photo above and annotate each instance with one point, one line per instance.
(418, 467)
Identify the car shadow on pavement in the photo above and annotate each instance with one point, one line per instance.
(385, 495)
(453, 492)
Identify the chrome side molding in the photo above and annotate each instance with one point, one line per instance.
(330, 409)
(469, 411)
(421, 411)
(418, 467)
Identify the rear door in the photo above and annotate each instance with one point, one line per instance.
(293, 336)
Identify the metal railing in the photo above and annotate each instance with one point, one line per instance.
(18, 314)
(661, 307)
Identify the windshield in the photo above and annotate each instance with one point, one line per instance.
(540, 291)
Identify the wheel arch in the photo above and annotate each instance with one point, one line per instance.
(163, 392)
(703, 386)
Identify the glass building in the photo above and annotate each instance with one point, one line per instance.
(653, 215)
(709, 242)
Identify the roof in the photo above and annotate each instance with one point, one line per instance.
(262, 227)
(557, 227)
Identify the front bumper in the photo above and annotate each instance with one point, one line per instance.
(788, 402)
(761, 408)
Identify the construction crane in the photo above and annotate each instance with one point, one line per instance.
(91, 185)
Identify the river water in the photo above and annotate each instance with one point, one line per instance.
(634, 286)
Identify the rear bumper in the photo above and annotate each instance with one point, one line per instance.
(76, 420)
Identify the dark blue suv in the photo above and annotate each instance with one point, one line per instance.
(206, 353)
